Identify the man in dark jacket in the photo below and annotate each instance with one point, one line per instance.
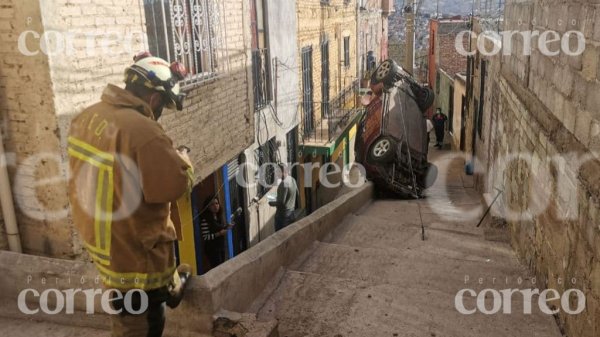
(439, 124)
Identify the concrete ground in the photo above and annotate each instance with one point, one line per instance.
(33, 328)
(375, 276)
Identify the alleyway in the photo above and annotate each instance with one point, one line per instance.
(374, 276)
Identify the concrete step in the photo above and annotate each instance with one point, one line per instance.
(396, 232)
(375, 276)
(308, 304)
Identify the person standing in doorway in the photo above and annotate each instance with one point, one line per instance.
(439, 124)
(287, 191)
(213, 231)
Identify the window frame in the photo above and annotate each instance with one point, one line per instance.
(268, 151)
(261, 61)
(180, 29)
(347, 51)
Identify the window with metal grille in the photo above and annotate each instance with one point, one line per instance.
(481, 99)
(307, 90)
(347, 51)
(261, 69)
(325, 77)
(266, 157)
(188, 31)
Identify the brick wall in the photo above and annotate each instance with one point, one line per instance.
(447, 57)
(217, 124)
(27, 110)
(548, 106)
(39, 95)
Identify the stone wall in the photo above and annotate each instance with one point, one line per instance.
(545, 112)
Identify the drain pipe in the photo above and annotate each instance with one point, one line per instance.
(8, 207)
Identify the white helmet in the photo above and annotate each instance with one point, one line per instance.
(156, 74)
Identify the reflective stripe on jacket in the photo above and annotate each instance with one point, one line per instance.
(124, 175)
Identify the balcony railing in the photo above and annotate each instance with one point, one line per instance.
(261, 78)
(335, 117)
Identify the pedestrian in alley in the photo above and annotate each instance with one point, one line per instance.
(213, 231)
(439, 124)
(287, 192)
(429, 129)
(126, 174)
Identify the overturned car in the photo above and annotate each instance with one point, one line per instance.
(392, 141)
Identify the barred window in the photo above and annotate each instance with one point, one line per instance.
(347, 51)
(266, 157)
(188, 31)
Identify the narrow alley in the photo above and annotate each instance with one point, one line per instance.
(300, 168)
(374, 276)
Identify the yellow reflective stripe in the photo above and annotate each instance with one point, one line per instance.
(98, 216)
(144, 281)
(104, 193)
(109, 211)
(79, 143)
(190, 174)
(75, 153)
(97, 255)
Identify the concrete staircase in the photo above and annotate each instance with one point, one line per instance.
(375, 276)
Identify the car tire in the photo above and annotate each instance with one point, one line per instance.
(425, 99)
(382, 151)
(388, 72)
(430, 176)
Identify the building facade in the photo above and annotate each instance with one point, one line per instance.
(276, 108)
(46, 82)
(334, 40)
(445, 61)
(535, 136)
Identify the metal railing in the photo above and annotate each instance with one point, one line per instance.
(340, 111)
(260, 78)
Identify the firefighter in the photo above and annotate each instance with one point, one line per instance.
(125, 178)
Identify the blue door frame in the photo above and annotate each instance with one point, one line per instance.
(226, 191)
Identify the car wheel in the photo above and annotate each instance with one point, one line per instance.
(387, 72)
(426, 98)
(430, 176)
(383, 150)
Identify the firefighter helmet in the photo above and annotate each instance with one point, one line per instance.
(156, 74)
